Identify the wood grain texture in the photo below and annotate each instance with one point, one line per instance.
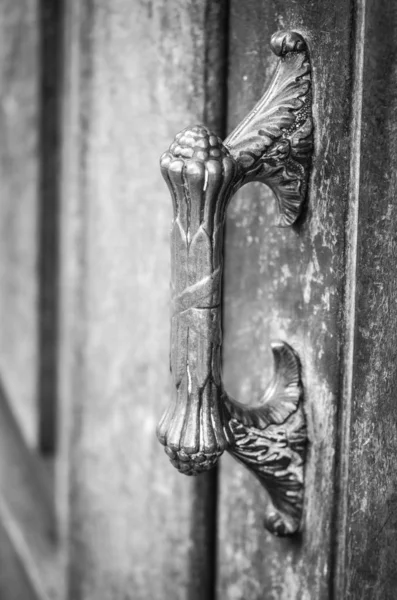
(289, 285)
(19, 106)
(371, 485)
(137, 75)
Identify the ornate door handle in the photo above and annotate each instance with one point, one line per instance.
(273, 144)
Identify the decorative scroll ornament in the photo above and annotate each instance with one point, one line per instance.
(272, 145)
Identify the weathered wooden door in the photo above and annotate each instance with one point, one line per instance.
(92, 92)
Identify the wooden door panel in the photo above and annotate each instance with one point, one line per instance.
(370, 519)
(137, 73)
(124, 523)
(28, 549)
(288, 284)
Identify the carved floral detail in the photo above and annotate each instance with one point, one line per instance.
(273, 145)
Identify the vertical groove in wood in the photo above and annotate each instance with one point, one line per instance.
(205, 496)
(203, 530)
(340, 529)
(216, 65)
(49, 127)
(72, 217)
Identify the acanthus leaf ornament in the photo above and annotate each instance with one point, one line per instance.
(273, 145)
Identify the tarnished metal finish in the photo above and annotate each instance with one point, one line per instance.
(272, 145)
(200, 174)
(270, 439)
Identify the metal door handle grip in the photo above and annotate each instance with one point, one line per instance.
(273, 144)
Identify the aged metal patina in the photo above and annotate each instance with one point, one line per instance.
(273, 145)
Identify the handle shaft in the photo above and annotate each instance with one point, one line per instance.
(199, 173)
